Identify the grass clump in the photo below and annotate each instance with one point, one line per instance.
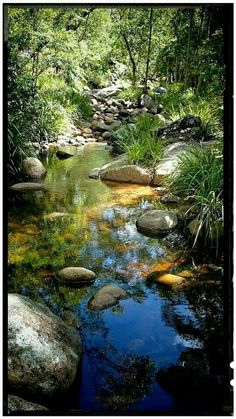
(200, 174)
(137, 141)
(131, 93)
(178, 102)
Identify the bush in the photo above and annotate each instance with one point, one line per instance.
(82, 108)
(200, 174)
(138, 143)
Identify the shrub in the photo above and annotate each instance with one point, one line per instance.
(200, 174)
(138, 143)
(82, 108)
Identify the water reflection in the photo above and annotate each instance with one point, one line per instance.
(133, 350)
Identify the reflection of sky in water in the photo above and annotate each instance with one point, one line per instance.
(111, 246)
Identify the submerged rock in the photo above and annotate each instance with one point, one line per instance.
(156, 222)
(106, 297)
(53, 215)
(43, 351)
(75, 276)
(17, 404)
(166, 279)
(27, 187)
(33, 168)
(126, 173)
(62, 155)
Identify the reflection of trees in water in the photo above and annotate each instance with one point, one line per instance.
(120, 380)
(130, 385)
(197, 382)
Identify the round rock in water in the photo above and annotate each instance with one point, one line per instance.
(76, 276)
(27, 187)
(156, 222)
(43, 351)
(106, 297)
(33, 168)
(94, 174)
(17, 404)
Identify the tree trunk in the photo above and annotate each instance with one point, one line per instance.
(131, 60)
(188, 47)
(149, 51)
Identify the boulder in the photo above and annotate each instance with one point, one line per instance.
(43, 351)
(17, 404)
(185, 129)
(126, 173)
(169, 199)
(147, 102)
(166, 279)
(161, 118)
(33, 168)
(106, 297)
(156, 222)
(217, 229)
(115, 125)
(161, 90)
(27, 187)
(169, 162)
(101, 127)
(62, 155)
(94, 174)
(75, 276)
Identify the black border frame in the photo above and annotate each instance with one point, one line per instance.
(228, 9)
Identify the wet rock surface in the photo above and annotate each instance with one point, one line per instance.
(27, 187)
(127, 173)
(106, 297)
(156, 222)
(184, 129)
(17, 404)
(33, 168)
(75, 276)
(43, 351)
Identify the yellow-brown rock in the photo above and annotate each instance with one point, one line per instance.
(166, 279)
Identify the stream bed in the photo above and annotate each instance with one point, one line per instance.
(159, 351)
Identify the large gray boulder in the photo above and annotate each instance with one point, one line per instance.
(169, 162)
(17, 404)
(156, 222)
(27, 187)
(43, 351)
(106, 297)
(126, 173)
(75, 276)
(161, 90)
(33, 168)
(147, 102)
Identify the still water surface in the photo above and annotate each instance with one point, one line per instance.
(158, 351)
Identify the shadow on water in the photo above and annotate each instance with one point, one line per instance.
(158, 351)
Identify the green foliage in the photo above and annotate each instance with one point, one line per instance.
(200, 174)
(131, 93)
(83, 108)
(138, 143)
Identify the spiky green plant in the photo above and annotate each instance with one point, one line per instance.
(200, 174)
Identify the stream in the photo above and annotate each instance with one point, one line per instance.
(159, 351)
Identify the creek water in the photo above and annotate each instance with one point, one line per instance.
(158, 351)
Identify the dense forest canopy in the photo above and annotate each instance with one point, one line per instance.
(54, 53)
